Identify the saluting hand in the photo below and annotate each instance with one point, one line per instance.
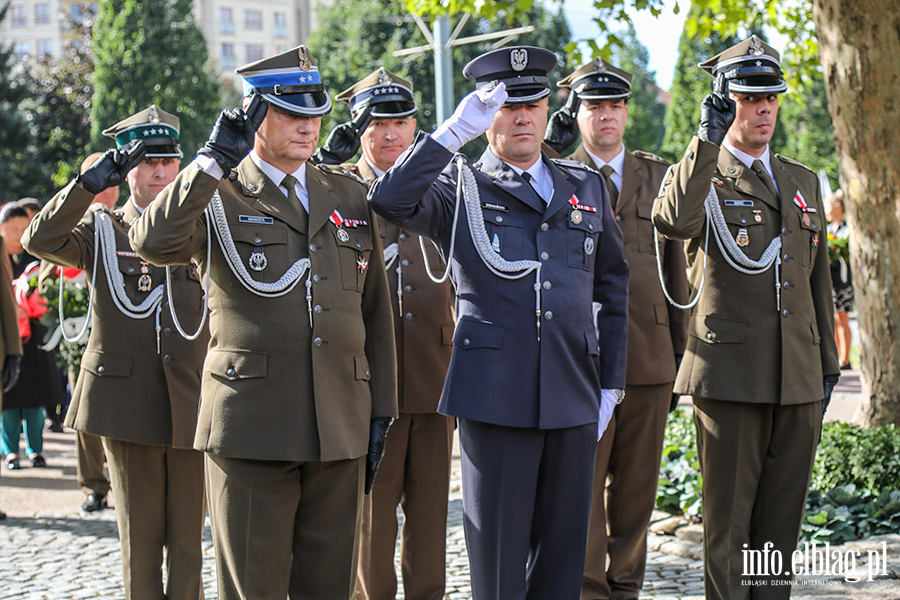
(473, 116)
(233, 134)
(717, 112)
(113, 167)
(343, 141)
(562, 129)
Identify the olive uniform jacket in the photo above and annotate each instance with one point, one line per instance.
(423, 315)
(9, 321)
(500, 373)
(275, 388)
(741, 345)
(657, 330)
(130, 386)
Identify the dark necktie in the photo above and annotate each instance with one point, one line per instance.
(290, 182)
(527, 177)
(761, 172)
(613, 190)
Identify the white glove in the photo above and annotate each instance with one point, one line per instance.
(471, 118)
(607, 406)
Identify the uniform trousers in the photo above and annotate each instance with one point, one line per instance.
(625, 482)
(11, 420)
(756, 461)
(285, 529)
(89, 468)
(414, 474)
(160, 505)
(526, 508)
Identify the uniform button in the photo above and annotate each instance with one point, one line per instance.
(316, 278)
(101, 368)
(545, 256)
(785, 313)
(317, 342)
(407, 288)
(368, 374)
(167, 358)
(784, 231)
(404, 262)
(230, 372)
(257, 240)
(786, 258)
(359, 244)
(591, 226)
(317, 309)
(544, 227)
(498, 218)
(743, 220)
(618, 218)
(547, 285)
(466, 342)
(710, 336)
(787, 285)
(131, 269)
(313, 248)
(408, 316)
(167, 331)
(689, 153)
(403, 236)
(185, 185)
(548, 315)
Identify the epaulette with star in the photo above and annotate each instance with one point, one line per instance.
(791, 161)
(650, 156)
(340, 170)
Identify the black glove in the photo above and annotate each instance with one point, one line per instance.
(830, 381)
(11, 370)
(378, 429)
(233, 134)
(676, 397)
(112, 167)
(343, 141)
(562, 130)
(716, 113)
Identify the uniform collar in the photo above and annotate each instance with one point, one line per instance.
(378, 172)
(765, 158)
(617, 164)
(277, 175)
(540, 177)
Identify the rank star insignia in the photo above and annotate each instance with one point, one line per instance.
(362, 264)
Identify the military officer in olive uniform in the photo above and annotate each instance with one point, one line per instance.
(531, 243)
(761, 360)
(139, 384)
(628, 454)
(299, 386)
(415, 472)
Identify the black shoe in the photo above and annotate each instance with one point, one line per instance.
(2, 516)
(38, 461)
(56, 427)
(94, 502)
(846, 367)
(12, 462)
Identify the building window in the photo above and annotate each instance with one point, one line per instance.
(42, 13)
(20, 49)
(252, 19)
(280, 49)
(254, 52)
(228, 61)
(226, 21)
(19, 16)
(44, 47)
(280, 25)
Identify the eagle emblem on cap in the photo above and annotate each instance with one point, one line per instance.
(518, 59)
(383, 77)
(154, 114)
(756, 48)
(303, 56)
(599, 67)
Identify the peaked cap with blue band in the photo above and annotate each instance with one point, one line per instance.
(750, 67)
(157, 128)
(522, 68)
(389, 95)
(599, 80)
(289, 81)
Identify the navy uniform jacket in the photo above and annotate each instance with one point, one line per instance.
(499, 372)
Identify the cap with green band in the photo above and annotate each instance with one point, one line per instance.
(155, 127)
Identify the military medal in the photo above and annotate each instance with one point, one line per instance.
(144, 282)
(814, 240)
(258, 260)
(588, 246)
(805, 220)
(343, 235)
(362, 264)
(757, 216)
(718, 182)
(576, 217)
(742, 238)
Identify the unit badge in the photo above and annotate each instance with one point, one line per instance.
(742, 238)
(518, 59)
(588, 246)
(258, 260)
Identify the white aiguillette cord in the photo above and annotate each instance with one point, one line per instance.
(467, 192)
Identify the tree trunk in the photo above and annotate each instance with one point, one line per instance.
(859, 48)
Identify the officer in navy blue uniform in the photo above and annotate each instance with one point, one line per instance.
(536, 370)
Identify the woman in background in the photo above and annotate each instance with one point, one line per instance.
(841, 277)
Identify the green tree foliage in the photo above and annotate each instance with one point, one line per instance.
(17, 160)
(349, 49)
(645, 110)
(811, 138)
(152, 53)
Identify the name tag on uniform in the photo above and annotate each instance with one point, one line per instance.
(492, 206)
(257, 220)
(743, 203)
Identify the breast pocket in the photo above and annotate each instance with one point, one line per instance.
(137, 279)
(583, 237)
(262, 250)
(646, 234)
(748, 230)
(504, 232)
(810, 238)
(354, 249)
